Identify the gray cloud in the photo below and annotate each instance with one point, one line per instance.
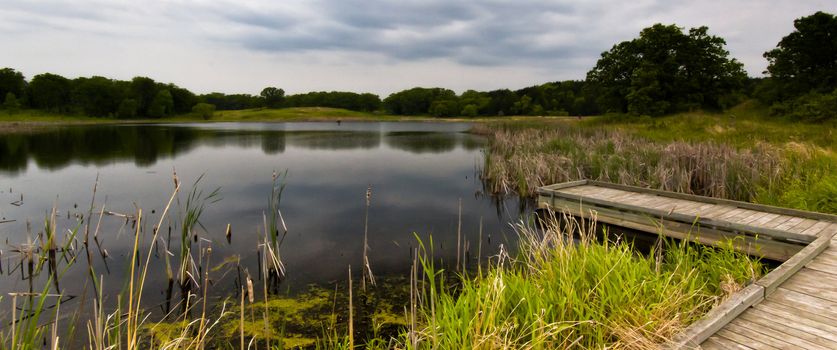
(375, 45)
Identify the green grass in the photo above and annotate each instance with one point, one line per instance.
(560, 293)
(742, 126)
(748, 157)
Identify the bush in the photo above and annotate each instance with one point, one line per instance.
(812, 107)
(204, 110)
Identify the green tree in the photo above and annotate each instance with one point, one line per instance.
(11, 104)
(143, 90)
(204, 110)
(162, 105)
(806, 59)
(444, 108)
(127, 108)
(182, 99)
(417, 100)
(273, 97)
(50, 92)
(666, 70)
(12, 81)
(97, 96)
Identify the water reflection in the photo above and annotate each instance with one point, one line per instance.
(56, 148)
(418, 172)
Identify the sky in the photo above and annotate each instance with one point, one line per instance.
(377, 46)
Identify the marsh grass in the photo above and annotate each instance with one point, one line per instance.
(520, 160)
(561, 292)
(787, 165)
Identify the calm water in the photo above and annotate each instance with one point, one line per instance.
(418, 173)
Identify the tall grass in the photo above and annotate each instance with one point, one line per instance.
(519, 158)
(583, 293)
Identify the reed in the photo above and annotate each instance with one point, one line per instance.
(560, 292)
(519, 160)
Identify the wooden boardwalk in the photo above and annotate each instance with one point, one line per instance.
(793, 307)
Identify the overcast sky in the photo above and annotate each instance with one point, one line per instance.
(375, 45)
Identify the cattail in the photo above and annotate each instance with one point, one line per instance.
(369, 195)
(250, 294)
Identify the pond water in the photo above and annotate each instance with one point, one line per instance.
(418, 173)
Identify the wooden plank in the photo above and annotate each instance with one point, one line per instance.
(698, 211)
(753, 217)
(816, 228)
(802, 226)
(719, 316)
(725, 216)
(774, 278)
(688, 218)
(823, 332)
(742, 339)
(790, 329)
(760, 247)
(777, 221)
(776, 330)
(788, 224)
(763, 220)
(759, 207)
(815, 283)
(756, 336)
(788, 313)
(626, 197)
(718, 210)
(805, 302)
(724, 343)
(823, 265)
(559, 186)
(740, 217)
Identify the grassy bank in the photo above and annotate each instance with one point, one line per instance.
(745, 157)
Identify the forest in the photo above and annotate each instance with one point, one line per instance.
(666, 69)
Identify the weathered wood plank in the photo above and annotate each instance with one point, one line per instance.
(719, 316)
(563, 185)
(779, 275)
(805, 302)
(792, 314)
(776, 330)
(725, 343)
(763, 220)
(761, 247)
(802, 226)
(776, 221)
(688, 218)
(742, 339)
(760, 207)
(753, 217)
(815, 283)
(800, 323)
(788, 224)
(757, 337)
(698, 211)
(731, 213)
(816, 228)
(718, 210)
(823, 265)
(792, 330)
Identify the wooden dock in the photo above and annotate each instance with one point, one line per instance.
(792, 307)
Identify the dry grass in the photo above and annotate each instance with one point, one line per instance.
(518, 160)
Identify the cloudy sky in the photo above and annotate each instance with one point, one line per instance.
(379, 46)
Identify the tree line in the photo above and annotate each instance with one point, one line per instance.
(665, 70)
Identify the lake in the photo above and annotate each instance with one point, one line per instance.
(418, 173)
